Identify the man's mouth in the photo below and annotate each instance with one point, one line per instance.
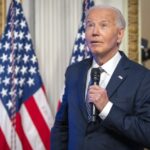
(96, 42)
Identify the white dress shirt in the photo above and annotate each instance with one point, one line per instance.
(109, 68)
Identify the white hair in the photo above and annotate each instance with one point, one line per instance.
(120, 21)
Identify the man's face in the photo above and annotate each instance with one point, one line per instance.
(102, 33)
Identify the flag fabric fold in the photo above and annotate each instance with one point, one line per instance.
(25, 115)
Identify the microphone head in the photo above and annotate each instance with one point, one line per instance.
(95, 75)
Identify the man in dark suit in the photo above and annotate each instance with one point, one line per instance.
(122, 98)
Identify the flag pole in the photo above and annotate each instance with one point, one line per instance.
(13, 89)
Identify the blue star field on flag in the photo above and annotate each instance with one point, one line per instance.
(19, 73)
(80, 50)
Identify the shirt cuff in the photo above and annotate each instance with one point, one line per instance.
(104, 113)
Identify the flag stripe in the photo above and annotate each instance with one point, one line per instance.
(43, 106)
(6, 127)
(30, 130)
(25, 143)
(3, 142)
(38, 121)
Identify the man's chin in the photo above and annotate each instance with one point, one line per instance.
(96, 51)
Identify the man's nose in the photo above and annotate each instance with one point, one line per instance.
(96, 31)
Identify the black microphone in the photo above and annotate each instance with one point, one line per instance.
(95, 77)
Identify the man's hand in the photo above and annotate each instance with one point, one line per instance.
(98, 96)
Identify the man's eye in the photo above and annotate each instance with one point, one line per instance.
(103, 25)
(90, 25)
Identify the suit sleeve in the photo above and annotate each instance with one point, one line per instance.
(134, 126)
(59, 132)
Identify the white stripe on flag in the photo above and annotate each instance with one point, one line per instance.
(43, 106)
(6, 127)
(30, 130)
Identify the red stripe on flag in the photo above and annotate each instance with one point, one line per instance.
(43, 87)
(39, 121)
(3, 142)
(58, 105)
(25, 144)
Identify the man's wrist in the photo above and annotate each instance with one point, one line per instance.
(105, 111)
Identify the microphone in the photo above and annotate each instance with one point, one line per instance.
(95, 77)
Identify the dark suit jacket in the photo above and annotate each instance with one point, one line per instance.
(127, 126)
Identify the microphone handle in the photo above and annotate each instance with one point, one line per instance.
(93, 110)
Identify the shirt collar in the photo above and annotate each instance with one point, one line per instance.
(110, 65)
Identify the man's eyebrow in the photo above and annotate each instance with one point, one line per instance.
(104, 21)
(98, 21)
(88, 21)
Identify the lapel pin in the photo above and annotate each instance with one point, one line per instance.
(120, 77)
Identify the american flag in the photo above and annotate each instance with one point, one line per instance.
(25, 115)
(80, 50)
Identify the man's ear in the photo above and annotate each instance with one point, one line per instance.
(120, 35)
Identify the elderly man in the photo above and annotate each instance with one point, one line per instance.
(119, 103)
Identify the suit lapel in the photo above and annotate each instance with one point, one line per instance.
(118, 76)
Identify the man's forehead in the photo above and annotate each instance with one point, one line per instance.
(98, 11)
(103, 16)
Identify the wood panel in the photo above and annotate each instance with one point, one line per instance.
(133, 30)
(2, 15)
